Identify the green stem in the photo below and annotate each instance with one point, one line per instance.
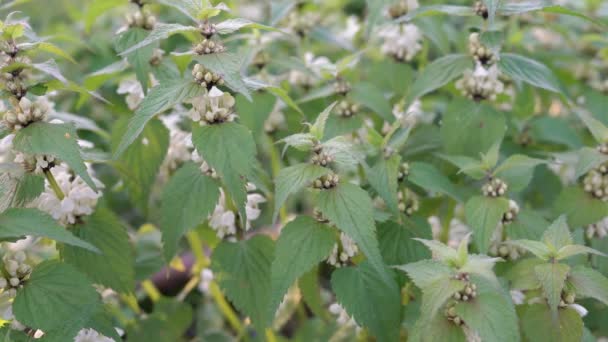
(53, 183)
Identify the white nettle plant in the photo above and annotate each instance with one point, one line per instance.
(308, 170)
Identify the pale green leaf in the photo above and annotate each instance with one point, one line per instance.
(517, 171)
(374, 99)
(580, 207)
(588, 282)
(538, 324)
(558, 234)
(397, 243)
(530, 71)
(596, 127)
(572, 250)
(437, 74)
(483, 215)
(535, 247)
(161, 31)
(383, 178)
(552, 278)
(429, 178)
(318, 128)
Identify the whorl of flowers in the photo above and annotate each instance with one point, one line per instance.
(132, 88)
(481, 83)
(213, 107)
(480, 52)
(224, 220)
(79, 199)
(206, 78)
(342, 252)
(598, 230)
(25, 112)
(401, 8)
(401, 42)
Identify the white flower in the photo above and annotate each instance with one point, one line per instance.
(180, 148)
(353, 26)
(401, 41)
(6, 306)
(275, 120)
(481, 83)
(215, 106)
(316, 66)
(342, 252)
(6, 148)
(342, 318)
(412, 115)
(517, 297)
(80, 200)
(598, 229)
(34, 163)
(565, 171)
(223, 221)
(579, 309)
(26, 112)
(458, 230)
(132, 88)
(206, 279)
(90, 335)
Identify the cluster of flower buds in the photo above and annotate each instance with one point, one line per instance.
(401, 8)
(347, 109)
(321, 158)
(208, 46)
(481, 53)
(142, 19)
(496, 187)
(206, 78)
(469, 292)
(567, 298)
(16, 271)
(215, 107)
(207, 29)
(450, 314)
(407, 202)
(341, 86)
(598, 229)
(511, 214)
(596, 184)
(403, 172)
(261, 59)
(481, 84)
(25, 112)
(35, 163)
(481, 9)
(343, 251)
(9, 48)
(505, 251)
(326, 182)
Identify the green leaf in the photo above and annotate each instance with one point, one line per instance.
(311, 292)
(537, 324)
(292, 179)
(139, 59)
(229, 66)
(469, 166)
(235, 24)
(50, 68)
(229, 148)
(511, 8)
(303, 243)
(57, 140)
(433, 10)
(187, 200)
(55, 296)
(396, 241)
(572, 250)
(483, 215)
(528, 224)
(522, 275)
(552, 278)
(429, 178)
(425, 273)
(160, 98)
(383, 178)
(373, 98)
(537, 248)
(254, 113)
(580, 208)
(140, 162)
(491, 314)
(370, 301)
(161, 31)
(596, 127)
(483, 124)
(517, 171)
(437, 74)
(318, 128)
(21, 222)
(527, 70)
(437, 329)
(349, 208)
(243, 271)
(588, 282)
(114, 267)
(589, 158)
(558, 234)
